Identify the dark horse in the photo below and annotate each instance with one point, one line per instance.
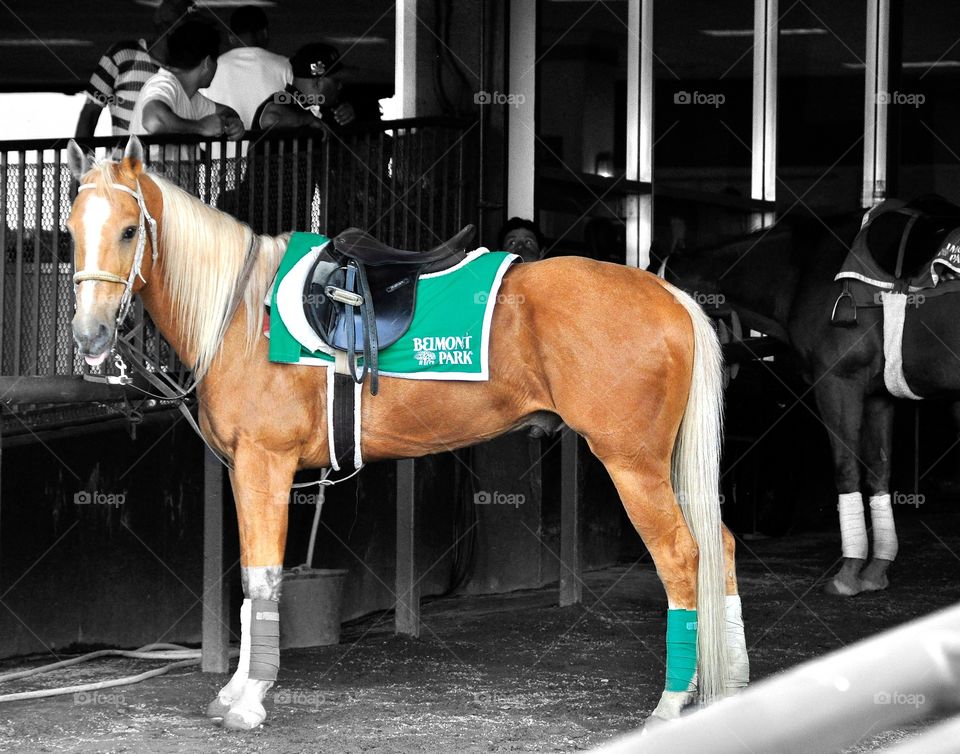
(781, 281)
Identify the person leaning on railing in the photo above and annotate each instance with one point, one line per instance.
(313, 99)
(124, 69)
(170, 101)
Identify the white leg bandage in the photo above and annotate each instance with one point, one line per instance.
(884, 532)
(737, 660)
(853, 527)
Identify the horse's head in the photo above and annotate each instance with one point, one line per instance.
(114, 239)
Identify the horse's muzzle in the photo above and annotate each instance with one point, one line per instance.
(93, 337)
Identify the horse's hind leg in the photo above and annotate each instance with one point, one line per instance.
(877, 444)
(653, 510)
(261, 485)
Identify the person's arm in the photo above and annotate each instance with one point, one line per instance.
(276, 115)
(232, 123)
(100, 89)
(158, 118)
(89, 115)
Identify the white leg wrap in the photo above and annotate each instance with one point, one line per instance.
(738, 662)
(853, 527)
(885, 543)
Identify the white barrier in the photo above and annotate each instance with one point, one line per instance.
(903, 675)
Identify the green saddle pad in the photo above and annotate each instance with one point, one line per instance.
(450, 333)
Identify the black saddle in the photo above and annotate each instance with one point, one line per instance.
(904, 240)
(901, 247)
(360, 294)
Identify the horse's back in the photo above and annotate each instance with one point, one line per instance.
(580, 282)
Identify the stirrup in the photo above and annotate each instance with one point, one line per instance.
(844, 309)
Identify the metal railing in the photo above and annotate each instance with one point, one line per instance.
(404, 181)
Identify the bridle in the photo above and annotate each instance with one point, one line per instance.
(103, 276)
(169, 389)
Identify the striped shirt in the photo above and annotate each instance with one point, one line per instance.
(121, 73)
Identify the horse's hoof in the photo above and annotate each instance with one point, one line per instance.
(244, 718)
(843, 587)
(245, 714)
(217, 709)
(671, 704)
(655, 722)
(875, 586)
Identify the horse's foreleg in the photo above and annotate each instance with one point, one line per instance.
(261, 486)
(877, 448)
(841, 408)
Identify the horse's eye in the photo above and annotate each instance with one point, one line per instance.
(128, 233)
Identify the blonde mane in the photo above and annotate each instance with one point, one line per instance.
(203, 251)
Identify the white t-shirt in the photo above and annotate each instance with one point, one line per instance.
(165, 87)
(245, 77)
(173, 161)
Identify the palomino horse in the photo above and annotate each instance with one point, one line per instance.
(626, 360)
(781, 282)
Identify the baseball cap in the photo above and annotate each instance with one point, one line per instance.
(315, 60)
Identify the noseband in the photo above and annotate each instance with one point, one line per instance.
(103, 276)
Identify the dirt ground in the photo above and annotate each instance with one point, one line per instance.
(505, 673)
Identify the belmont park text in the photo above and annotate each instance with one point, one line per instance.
(449, 349)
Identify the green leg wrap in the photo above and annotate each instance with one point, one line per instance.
(264, 639)
(681, 649)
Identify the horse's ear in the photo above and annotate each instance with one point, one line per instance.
(78, 162)
(134, 153)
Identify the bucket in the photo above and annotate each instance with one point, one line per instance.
(310, 607)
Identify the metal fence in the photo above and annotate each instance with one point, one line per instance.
(404, 181)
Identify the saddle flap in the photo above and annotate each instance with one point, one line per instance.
(393, 291)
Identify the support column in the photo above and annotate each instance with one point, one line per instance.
(215, 621)
(521, 121)
(407, 585)
(876, 96)
(766, 31)
(405, 59)
(571, 530)
(639, 208)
